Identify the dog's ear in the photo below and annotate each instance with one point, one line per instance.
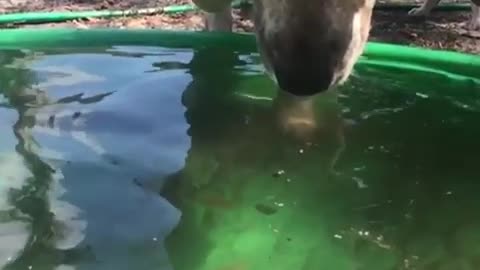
(212, 6)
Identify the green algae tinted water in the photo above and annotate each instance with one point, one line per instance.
(155, 158)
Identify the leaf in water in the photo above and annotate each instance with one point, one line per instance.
(265, 209)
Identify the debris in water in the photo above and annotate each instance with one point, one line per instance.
(384, 149)
(359, 182)
(76, 115)
(51, 121)
(359, 168)
(279, 173)
(137, 182)
(338, 236)
(363, 233)
(421, 95)
(373, 205)
(265, 209)
(300, 151)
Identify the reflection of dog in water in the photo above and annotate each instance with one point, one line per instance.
(242, 155)
(247, 171)
(296, 115)
(307, 47)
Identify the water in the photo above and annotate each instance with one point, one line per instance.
(154, 158)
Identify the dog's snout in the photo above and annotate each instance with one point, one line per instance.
(301, 80)
(305, 63)
(306, 69)
(309, 49)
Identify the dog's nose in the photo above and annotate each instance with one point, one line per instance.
(305, 73)
(303, 77)
(305, 63)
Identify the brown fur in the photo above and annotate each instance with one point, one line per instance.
(307, 46)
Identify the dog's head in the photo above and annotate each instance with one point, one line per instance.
(309, 46)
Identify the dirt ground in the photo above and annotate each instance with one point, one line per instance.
(441, 30)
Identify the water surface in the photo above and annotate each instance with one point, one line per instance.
(157, 158)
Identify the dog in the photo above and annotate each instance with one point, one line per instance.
(428, 5)
(307, 46)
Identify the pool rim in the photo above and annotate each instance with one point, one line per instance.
(457, 65)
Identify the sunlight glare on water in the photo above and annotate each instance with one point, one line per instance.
(157, 158)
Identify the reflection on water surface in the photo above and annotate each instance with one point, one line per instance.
(155, 158)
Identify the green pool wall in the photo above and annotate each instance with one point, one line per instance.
(459, 66)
